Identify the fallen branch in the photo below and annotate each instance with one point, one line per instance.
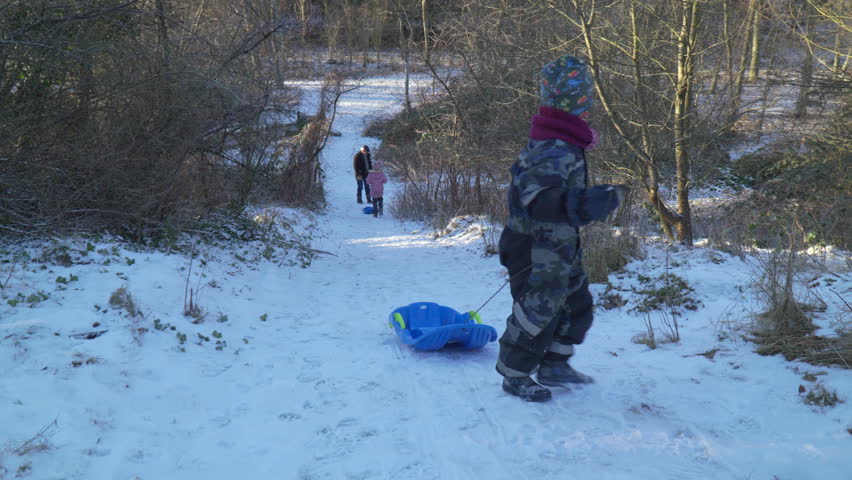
(843, 300)
(88, 335)
(11, 271)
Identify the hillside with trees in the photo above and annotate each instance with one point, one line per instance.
(188, 288)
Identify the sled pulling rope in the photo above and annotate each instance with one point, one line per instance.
(510, 279)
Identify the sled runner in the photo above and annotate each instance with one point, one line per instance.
(429, 326)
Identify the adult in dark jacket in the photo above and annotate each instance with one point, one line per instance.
(549, 199)
(362, 164)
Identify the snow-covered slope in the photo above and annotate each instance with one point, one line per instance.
(308, 382)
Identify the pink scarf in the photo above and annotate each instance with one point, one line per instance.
(554, 123)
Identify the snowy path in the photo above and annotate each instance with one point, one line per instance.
(322, 389)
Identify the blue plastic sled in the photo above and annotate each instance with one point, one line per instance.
(368, 210)
(429, 326)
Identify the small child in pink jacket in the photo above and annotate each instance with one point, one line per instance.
(377, 179)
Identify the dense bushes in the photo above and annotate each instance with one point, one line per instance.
(807, 184)
(130, 116)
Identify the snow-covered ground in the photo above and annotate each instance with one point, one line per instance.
(294, 374)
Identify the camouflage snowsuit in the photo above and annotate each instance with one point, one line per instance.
(540, 247)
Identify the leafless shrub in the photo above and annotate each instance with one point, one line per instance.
(804, 180)
(607, 248)
(671, 325)
(301, 176)
(191, 308)
(110, 119)
(453, 151)
(649, 336)
(782, 314)
(438, 184)
(784, 327)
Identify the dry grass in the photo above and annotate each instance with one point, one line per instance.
(39, 442)
(606, 249)
(784, 327)
(121, 299)
(821, 397)
(813, 349)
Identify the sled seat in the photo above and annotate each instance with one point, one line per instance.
(430, 326)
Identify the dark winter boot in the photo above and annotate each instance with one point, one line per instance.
(359, 199)
(525, 388)
(559, 373)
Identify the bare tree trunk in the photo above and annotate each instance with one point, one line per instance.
(424, 10)
(87, 88)
(729, 43)
(764, 99)
(364, 33)
(682, 113)
(640, 95)
(717, 70)
(365, 46)
(348, 13)
(276, 48)
(164, 95)
(724, 52)
(754, 67)
(806, 81)
(335, 22)
(304, 12)
(381, 13)
(403, 48)
(667, 217)
(652, 183)
(739, 80)
(163, 31)
(836, 68)
(732, 77)
(377, 40)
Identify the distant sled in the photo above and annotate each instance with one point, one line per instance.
(368, 209)
(429, 326)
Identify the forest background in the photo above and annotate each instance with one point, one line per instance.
(148, 118)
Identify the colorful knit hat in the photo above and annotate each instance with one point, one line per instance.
(566, 84)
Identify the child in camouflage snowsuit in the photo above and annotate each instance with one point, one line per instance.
(549, 198)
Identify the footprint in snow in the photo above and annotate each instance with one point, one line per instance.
(368, 386)
(97, 452)
(347, 422)
(221, 422)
